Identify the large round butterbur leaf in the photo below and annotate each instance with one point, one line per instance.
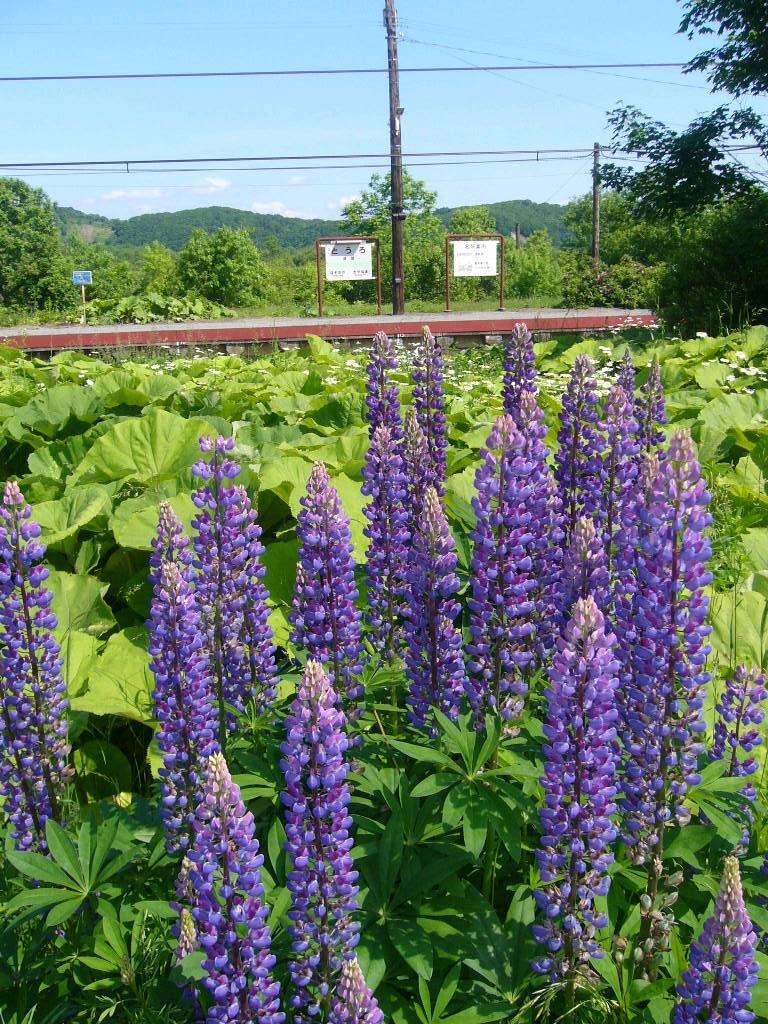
(79, 604)
(102, 769)
(134, 522)
(56, 411)
(136, 386)
(148, 450)
(80, 507)
(120, 682)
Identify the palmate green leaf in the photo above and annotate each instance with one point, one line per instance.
(147, 450)
(43, 869)
(427, 754)
(414, 946)
(120, 682)
(434, 784)
(63, 911)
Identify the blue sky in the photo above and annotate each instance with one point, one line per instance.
(248, 117)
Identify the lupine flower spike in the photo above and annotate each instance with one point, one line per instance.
(382, 396)
(354, 1003)
(502, 610)
(325, 619)
(416, 466)
(626, 377)
(229, 585)
(663, 694)
(384, 482)
(578, 463)
(321, 880)
(519, 369)
(33, 705)
(584, 569)
(429, 403)
(433, 661)
(184, 702)
(229, 910)
(619, 472)
(651, 410)
(580, 789)
(722, 966)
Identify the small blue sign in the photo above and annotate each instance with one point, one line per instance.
(82, 277)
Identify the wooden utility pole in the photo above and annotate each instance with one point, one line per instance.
(596, 206)
(517, 235)
(396, 159)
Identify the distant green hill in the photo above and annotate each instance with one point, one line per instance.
(266, 229)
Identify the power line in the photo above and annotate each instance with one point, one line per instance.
(136, 76)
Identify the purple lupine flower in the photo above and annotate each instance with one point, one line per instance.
(382, 396)
(739, 710)
(384, 482)
(651, 410)
(519, 369)
(501, 608)
(626, 377)
(170, 544)
(33, 727)
(325, 619)
(429, 403)
(415, 466)
(229, 909)
(662, 691)
(547, 534)
(229, 585)
(585, 571)
(353, 1002)
(619, 471)
(722, 965)
(321, 880)
(579, 794)
(578, 462)
(433, 660)
(184, 702)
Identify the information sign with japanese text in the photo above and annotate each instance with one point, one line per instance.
(349, 261)
(475, 257)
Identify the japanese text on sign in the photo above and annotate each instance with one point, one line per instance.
(348, 261)
(475, 258)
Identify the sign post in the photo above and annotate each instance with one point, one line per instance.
(474, 256)
(348, 259)
(82, 277)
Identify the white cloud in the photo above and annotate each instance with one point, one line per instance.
(297, 179)
(212, 185)
(342, 201)
(134, 193)
(275, 207)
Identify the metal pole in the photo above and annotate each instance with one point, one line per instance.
(377, 240)
(396, 159)
(447, 274)
(319, 280)
(82, 293)
(501, 275)
(596, 206)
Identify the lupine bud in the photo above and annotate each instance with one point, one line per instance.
(321, 880)
(722, 966)
(579, 794)
(502, 612)
(651, 410)
(353, 1001)
(384, 482)
(578, 462)
(325, 619)
(382, 396)
(519, 369)
(184, 702)
(33, 726)
(433, 659)
(170, 544)
(662, 692)
(429, 403)
(229, 908)
(229, 585)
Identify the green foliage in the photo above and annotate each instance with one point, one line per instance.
(32, 265)
(158, 269)
(223, 267)
(533, 271)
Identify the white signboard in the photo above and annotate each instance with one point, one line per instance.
(474, 257)
(349, 261)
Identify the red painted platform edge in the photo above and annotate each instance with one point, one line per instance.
(188, 334)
